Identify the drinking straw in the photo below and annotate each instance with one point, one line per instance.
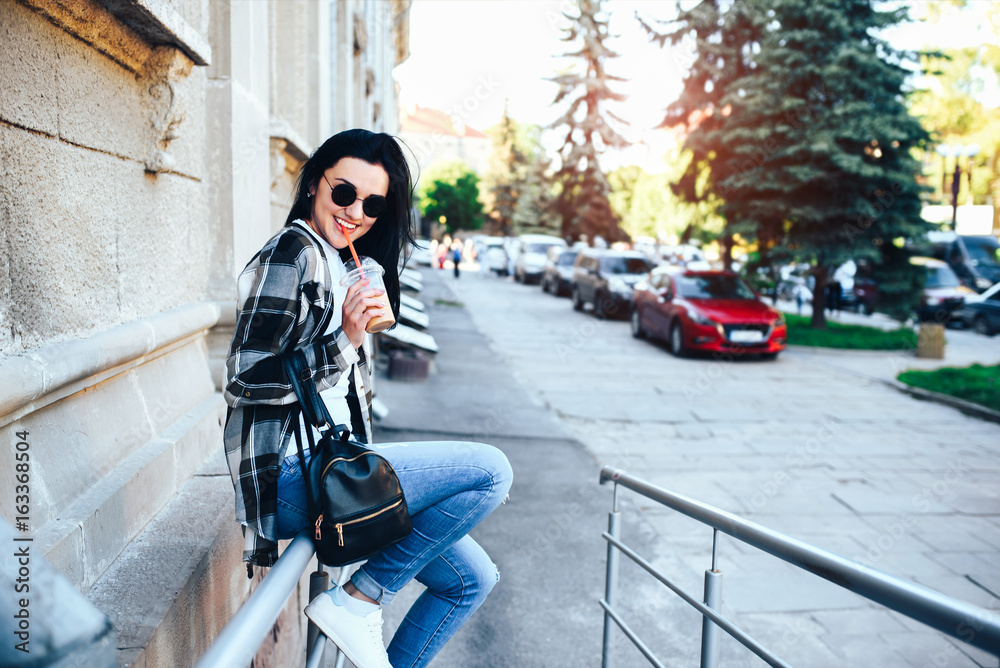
(354, 253)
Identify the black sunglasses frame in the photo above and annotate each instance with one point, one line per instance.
(344, 194)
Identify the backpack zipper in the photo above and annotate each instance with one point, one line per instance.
(340, 525)
(346, 459)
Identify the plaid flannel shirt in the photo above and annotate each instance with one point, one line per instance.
(283, 304)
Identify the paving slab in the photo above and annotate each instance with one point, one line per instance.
(857, 457)
(562, 393)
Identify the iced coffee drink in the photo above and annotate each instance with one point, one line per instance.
(373, 271)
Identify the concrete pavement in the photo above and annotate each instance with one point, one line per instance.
(798, 445)
(546, 539)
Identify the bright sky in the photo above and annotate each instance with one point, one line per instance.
(467, 57)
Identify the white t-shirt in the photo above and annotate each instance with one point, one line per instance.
(335, 397)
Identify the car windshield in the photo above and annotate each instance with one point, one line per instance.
(713, 287)
(567, 259)
(941, 277)
(617, 264)
(984, 251)
(539, 248)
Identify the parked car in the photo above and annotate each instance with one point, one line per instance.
(975, 259)
(706, 310)
(982, 312)
(421, 253)
(605, 278)
(494, 255)
(684, 255)
(943, 293)
(530, 259)
(557, 274)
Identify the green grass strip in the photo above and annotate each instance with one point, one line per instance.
(977, 383)
(853, 337)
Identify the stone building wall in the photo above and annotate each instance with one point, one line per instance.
(147, 150)
(91, 238)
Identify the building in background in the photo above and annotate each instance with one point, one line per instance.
(434, 136)
(147, 150)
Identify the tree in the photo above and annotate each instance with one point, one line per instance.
(517, 186)
(647, 206)
(724, 43)
(452, 193)
(506, 175)
(824, 113)
(582, 202)
(807, 136)
(949, 103)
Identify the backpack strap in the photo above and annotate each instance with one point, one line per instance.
(301, 378)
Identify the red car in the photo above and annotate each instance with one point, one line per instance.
(713, 311)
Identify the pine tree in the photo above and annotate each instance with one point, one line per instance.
(821, 146)
(534, 211)
(796, 113)
(582, 203)
(517, 184)
(505, 178)
(724, 42)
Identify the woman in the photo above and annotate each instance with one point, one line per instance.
(356, 184)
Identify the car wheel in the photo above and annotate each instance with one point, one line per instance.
(769, 356)
(982, 326)
(599, 310)
(636, 325)
(577, 302)
(677, 340)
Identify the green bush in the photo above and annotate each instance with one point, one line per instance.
(977, 383)
(856, 337)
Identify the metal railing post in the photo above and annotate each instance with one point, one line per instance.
(319, 582)
(611, 579)
(713, 599)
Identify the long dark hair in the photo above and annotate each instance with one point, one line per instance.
(392, 233)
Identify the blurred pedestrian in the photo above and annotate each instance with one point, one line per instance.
(833, 296)
(456, 256)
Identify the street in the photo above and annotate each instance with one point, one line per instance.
(805, 445)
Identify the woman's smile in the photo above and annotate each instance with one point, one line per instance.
(337, 223)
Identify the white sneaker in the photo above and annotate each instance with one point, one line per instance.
(360, 638)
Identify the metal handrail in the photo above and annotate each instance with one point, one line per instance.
(966, 622)
(239, 641)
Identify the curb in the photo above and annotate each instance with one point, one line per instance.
(966, 407)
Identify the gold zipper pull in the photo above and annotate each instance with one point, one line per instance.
(319, 534)
(340, 534)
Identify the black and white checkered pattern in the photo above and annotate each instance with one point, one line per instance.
(283, 304)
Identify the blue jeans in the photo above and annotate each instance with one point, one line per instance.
(450, 487)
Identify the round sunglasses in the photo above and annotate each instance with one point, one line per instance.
(344, 194)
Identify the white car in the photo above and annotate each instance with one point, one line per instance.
(531, 252)
(493, 255)
(421, 253)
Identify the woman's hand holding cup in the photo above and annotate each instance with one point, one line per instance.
(380, 315)
(361, 306)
